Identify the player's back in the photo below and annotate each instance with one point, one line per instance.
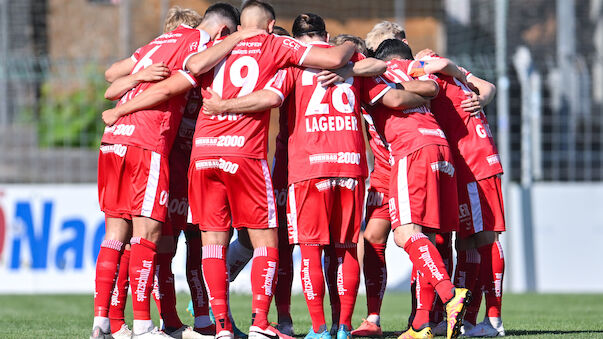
(469, 136)
(410, 129)
(249, 67)
(155, 129)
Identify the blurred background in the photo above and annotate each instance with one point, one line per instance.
(545, 56)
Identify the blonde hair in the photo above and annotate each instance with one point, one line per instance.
(360, 45)
(177, 16)
(382, 31)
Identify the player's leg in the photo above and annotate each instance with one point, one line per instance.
(239, 254)
(263, 274)
(117, 234)
(215, 245)
(467, 275)
(488, 198)
(414, 174)
(375, 273)
(307, 224)
(196, 284)
(282, 293)
(119, 328)
(346, 217)
(331, 266)
(443, 242)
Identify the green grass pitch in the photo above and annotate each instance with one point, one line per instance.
(525, 315)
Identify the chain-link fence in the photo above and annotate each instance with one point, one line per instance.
(53, 54)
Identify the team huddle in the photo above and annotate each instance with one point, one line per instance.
(185, 150)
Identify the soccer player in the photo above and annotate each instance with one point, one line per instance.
(480, 264)
(133, 175)
(382, 31)
(327, 166)
(228, 166)
(422, 191)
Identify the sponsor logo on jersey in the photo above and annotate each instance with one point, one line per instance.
(443, 166)
(293, 44)
(433, 132)
(118, 149)
(493, 159)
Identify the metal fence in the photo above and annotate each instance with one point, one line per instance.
(51, 99)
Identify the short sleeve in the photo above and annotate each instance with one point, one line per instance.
(291, 50)
(196, 45)
(373, 89)
(282, 83)
(416, 69)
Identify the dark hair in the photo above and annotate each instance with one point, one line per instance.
(280, 31)
(391, 48)
(309, 24)
(224, 10)
(260, 4)
(359, 42)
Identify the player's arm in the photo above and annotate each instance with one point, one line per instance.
(209, 58)
(258, 101)
(119, 69)
(444, 66)
(122, 85)
(401, 99)
(364, 68)
(425, 88)
(154, 95)
(330, 58)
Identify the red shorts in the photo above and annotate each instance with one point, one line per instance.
(481, 207)
(178, 203)
(325, 210)
(132, 182)
(231, 190)
(423, 190)
(377, 206)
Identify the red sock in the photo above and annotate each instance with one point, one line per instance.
(194, 277)
(425, 294)
(282, 293)
(467, 276)
(427, 260)
(107, 265)
(167, 290)
(263, 281)
(444, 246)
(491, 276)
(142, 271)
(216, 280)
(120, 293)
(375, 275)
(413, 296)
(331, 279)
(348, 279)
(313, 283)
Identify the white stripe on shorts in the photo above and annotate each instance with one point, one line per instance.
(292, 216)
(476, 207)
(403, 194)
(152, 182)
(272, 222)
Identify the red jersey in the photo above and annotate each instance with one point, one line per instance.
(325, 135)
(410, 129)
(155, 129)
(184, 138)
(470, 138)
(382, 165)
(249, 67)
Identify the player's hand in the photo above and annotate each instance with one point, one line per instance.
(110, 116)
(212, 102)
(424, 53)
(472, 104)
(246, 33)
(155, 72)
(328, 78)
